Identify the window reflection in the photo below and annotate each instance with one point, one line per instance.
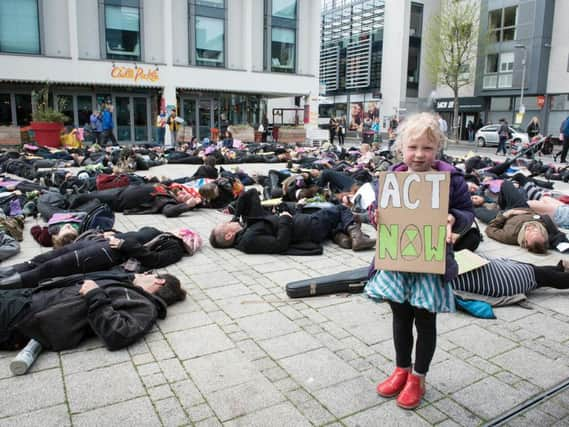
(209, 41)
(122, 32)
(19, 26)
(283, 50)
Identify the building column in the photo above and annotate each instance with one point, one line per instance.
(396, 45)
(73, 22)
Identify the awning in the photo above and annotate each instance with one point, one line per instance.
(472, 103)
(80, 84)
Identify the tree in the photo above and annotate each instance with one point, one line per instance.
(451, 48)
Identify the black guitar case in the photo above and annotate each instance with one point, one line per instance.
(352, 281)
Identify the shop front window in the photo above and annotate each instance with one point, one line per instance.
(210, 41)
(122, 32)
(64, 104)
(19, 26)
(5, 110)
(23, 109)
(84, 110)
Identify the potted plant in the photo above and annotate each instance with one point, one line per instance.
(47, 123)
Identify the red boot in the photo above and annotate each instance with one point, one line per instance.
(410, 397)
(394, 384)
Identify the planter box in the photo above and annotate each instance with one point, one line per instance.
(244, 134)
(47, 134)
(292, 135)
(10, 136)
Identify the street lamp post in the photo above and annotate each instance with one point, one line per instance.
(522, 108)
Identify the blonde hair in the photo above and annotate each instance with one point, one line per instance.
(418, 125)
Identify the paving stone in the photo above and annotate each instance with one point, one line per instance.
(172, 370)
(283, 415)
(220, 370)
(484, 365)
(136, 412)
(533, 367)
(213, 279)
(275, 374)
(160, 392)
(200, 412)
(528, 388)
(187, 394)
(315, 412)
(184, 321)
(550, 328)
(507, 377)
(142, 359)
(92, 359)
(244, 305)
(289, 345)
(348, 397)
(154, 380)
(431, 414)
(283, 277)
(171, 413)
(231, 402)
(554, 408)
(267, 325)
(453, 374)
(148, 369)
(80, 387)
(251, 350)
(286, 384)
(457, 412)
(488, 398)
(387, 414)
(318, 369)
(532, 418)
(56, 416)
(17, 392)
(198, 341)
(228, 291)
(298, 396)
(479, 341)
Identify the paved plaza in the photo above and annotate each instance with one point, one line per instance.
(238, 352)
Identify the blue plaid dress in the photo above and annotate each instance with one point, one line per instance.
(421, 290)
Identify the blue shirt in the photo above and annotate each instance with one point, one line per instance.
(96, 123)
(107, 120)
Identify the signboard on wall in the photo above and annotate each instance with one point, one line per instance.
(135, 73)
(412, 220)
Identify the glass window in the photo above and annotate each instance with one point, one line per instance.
(510, 16)
(284, 9)
(494, 19)
(416, 26)
(5, 110)
(19, 26)
(282, 49)
(500, 104)
(492, 63)
(23, 109)
(84, 109)
(505, 80)
(122, 32)
(506, 61)
(209, 41)
(559, 102)
(211, 3)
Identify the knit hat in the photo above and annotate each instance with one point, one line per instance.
(192, 240)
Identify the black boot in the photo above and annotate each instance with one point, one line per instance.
(11, 282)
(343, 240)
(274, 185)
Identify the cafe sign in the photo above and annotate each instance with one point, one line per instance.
(135, 74)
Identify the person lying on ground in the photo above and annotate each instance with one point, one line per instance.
(503, 277)
(525, 228)
(301, 234)
(119, 308)
(142, 199)
(555, 209)
(145, 249)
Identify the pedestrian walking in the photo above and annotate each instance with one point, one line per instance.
(503, 134)
(533, 127)
(161, 126)
(108, 125)
(565, 138)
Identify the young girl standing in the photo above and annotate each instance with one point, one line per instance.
(417, 297)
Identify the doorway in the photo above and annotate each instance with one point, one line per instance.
(132, 118)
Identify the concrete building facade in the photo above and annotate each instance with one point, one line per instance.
(390, 81)
(209, 58)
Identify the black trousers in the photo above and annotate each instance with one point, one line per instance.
(14, 304)
(552, 276)
(404, 315)
(108, 134)
(327, 222)
(565, 149)
(511, 197)
(80, 257)
(338, 181)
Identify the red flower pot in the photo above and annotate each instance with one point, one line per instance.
(47, 134)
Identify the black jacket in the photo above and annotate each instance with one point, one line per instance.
(270, 234)
(118, 312)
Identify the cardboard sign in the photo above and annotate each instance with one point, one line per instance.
(468, 261)
(413, 212)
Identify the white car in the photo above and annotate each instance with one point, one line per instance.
(488, 135)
